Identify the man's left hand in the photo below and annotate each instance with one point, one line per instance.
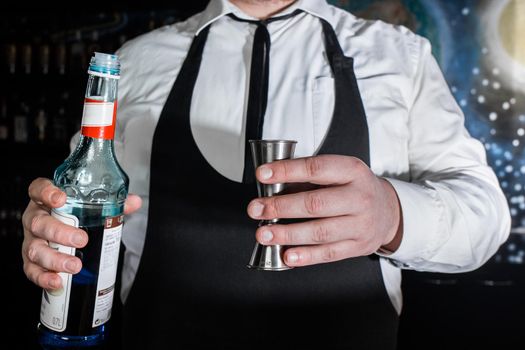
(353, 211)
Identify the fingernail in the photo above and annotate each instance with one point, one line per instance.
(267, 236)
(257, 209)
(265, 173)
(54, 283)
(55, 197)
(71, 266)
(293, 257)
(77, 239)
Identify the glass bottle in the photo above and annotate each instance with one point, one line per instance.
(96, 187)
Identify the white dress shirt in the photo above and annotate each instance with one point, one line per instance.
(455, 215)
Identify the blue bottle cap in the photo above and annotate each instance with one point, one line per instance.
(105, 65)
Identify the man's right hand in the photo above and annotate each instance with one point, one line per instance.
(41, 263)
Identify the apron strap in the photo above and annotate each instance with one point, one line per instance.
(348, 132)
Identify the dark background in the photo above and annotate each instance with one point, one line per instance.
(45, 51)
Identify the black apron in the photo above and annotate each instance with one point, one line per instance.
(193, 289)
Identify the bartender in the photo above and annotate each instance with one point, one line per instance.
(395, 180)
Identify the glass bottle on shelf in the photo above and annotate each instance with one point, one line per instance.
(41, 120)
(4, 120)
(44, 55)
(10, 52)
(20, 122)
(60, 54)
(77, 54)
(58, 119)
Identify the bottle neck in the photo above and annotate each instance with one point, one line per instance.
(93, 148)
(100, 108)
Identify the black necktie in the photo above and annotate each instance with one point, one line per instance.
(258, 93)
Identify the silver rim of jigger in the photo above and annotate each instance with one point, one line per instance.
(272, 141)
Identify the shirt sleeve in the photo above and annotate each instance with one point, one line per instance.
(455, 215)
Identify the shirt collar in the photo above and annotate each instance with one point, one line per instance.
(219, 8)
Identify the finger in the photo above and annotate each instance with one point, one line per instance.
(312, 255)
(326, 202)
(133, 203)
(43, 192)
(44, 226)
(321, 170)
(307, 233)
(39, 253)
(41, 277)
(32, 210)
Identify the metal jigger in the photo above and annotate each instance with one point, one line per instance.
(269, 257)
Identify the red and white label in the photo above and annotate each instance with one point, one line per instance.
(98, 119)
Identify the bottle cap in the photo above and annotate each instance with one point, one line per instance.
(105, 65)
